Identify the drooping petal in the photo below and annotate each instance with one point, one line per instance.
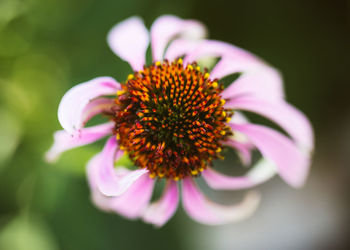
(63, 141)
(168, 27)
(260, 172)
(263, 82)
(285, 115)
(129, 40)
(221, 49)
(291, 163)
(71, 109)
(244, 150)
(256, 74)
(205, 211)
(107, 181)
(159, 212)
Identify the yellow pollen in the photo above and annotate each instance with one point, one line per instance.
(228, 119)
(215, 84)
(180, 61)
(194, 172)
(223, 132)
(190, 67)
(152, 175)
(223, 114)
(118, 136)
(158, 63)
(176, 178)
(130, 76)
(120, 92)
(222, 101)
(218, 150)
(206, 76)
(198, 68)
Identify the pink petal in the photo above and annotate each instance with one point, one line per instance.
(259, 173)
(291, 163)
(73, 104)
(264, 82)
(244, 150)
(224, 50)
(107, 181)
(285, 115)
(63, 141)
(240, 141)
(168, 27)
(134, 201)
(205, 211)
(159, 212)
(258, 77)
(129, 40)
(179, 48)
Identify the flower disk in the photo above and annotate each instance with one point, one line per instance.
(171, 120)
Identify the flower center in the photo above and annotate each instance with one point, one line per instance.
(171, 120)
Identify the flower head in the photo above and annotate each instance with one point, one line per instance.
(173, 118)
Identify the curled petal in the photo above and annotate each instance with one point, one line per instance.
(132, 203)
(159, 212)
(285, 115)
(168, 27)
(129, 40)
(63, 141)
(71, 109)
(205, 211)
(291, 163)
(244, 150)
(107, 181)
(260, 172)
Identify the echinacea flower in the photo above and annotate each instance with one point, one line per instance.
(173, 118)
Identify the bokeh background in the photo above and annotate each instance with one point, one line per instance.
(48, 46)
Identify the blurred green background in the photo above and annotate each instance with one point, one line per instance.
(48, 46)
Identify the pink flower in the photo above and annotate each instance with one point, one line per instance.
(173, 119)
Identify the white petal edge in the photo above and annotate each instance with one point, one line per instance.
(132, 203)
(71, 108)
